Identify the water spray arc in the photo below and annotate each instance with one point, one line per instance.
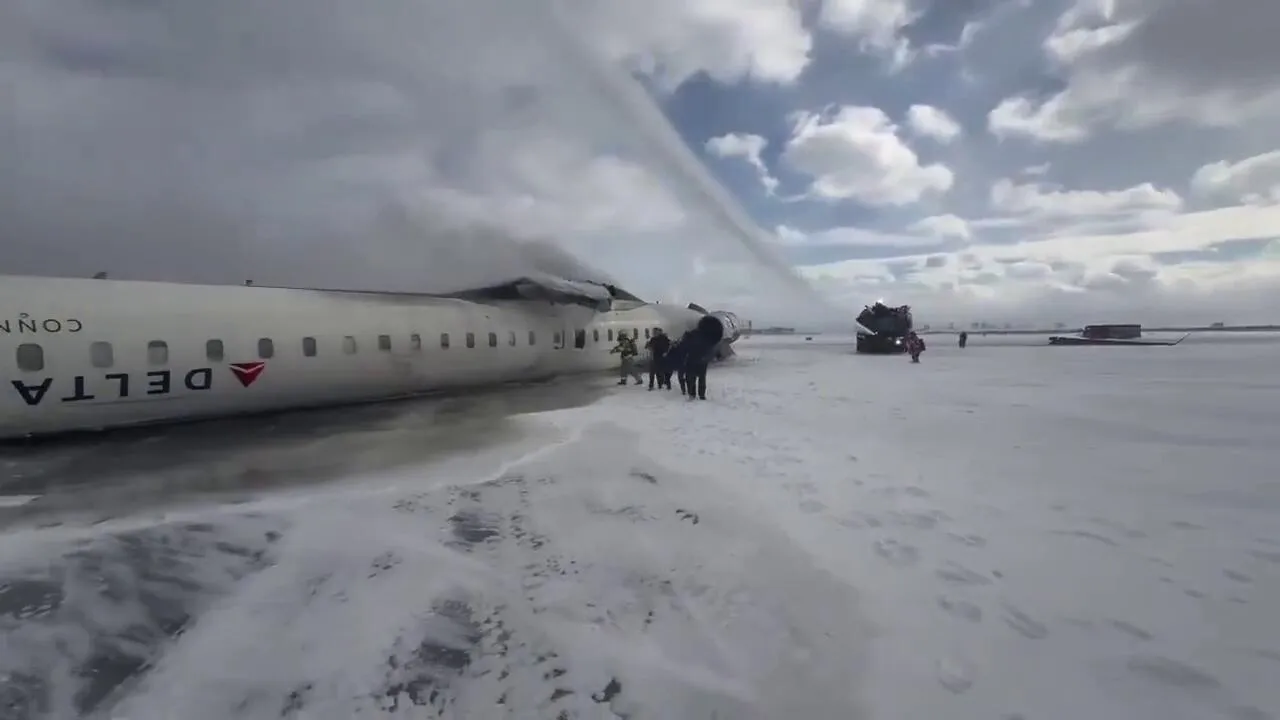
(672, 155)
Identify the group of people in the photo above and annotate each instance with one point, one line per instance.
(687, 359)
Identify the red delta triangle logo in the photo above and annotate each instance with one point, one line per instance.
(248, 372)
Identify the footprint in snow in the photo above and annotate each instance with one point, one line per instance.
(686, 515)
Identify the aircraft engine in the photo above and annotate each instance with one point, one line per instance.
(725, 328)
(720, 327)
(730, 332)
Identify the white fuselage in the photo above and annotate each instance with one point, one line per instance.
(88, 354)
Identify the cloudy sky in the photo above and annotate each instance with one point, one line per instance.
(1052, 160)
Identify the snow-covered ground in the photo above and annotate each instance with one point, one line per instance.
(1001, 532)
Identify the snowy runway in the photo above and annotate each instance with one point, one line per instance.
(996, 533)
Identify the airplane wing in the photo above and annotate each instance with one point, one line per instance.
(541, 286)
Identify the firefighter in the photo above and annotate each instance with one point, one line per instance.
(626, 347)
(915, 346)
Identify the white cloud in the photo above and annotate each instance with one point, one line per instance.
(1045, 202)
(943, 226)
(1137, 64)
(931, 122)
(1074, 43)
(1028, 270)
(924, 233)
(1048, 122)
(787, 235)
(1096, 219)
(967, 34)
(874, 23)
(855, 153)
(672, 40)
(1253, 180)
(1176, 233)
(1070, 276)
(856, 237)
(745, 146)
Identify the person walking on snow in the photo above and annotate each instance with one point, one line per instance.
(675, 359)
(915, 346)
(626, 347)
(658, 345)
(697, 355)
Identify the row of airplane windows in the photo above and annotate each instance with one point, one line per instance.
(30, 356)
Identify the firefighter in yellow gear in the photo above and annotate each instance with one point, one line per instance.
(626, 347)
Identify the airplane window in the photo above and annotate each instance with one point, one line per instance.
(493, 339)
(580, 339)
(349, 345)
(444, 340)
(646, 333)
(471, 340)
(157, 352)
(384, 342)
(30, 357)
(213, 350)
(533, 338)
(101, 354)
(415, 342)
(557, 340)
(266, 348)
(595, 335)
(309, 346)
(511, 338)
(610, 334)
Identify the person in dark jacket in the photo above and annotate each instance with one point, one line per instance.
(675, 360)
(697, 355)
(658, 346)
(702, 347)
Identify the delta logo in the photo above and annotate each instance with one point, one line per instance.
(248, 372)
